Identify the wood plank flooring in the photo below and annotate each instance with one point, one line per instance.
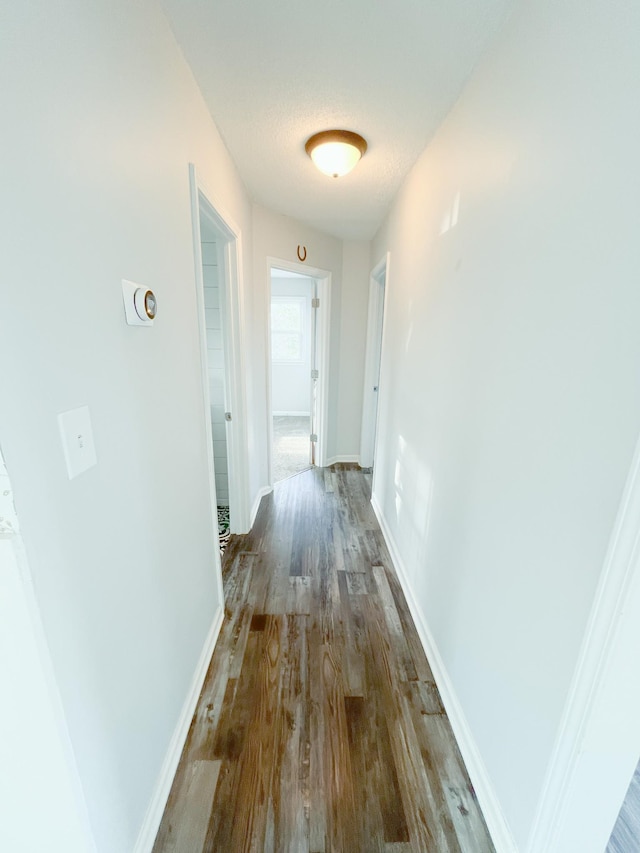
(625, 837)
(319, 728)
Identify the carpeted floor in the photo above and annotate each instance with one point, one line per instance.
(291, 447)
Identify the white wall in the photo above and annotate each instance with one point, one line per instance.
(291, 383)
(509, 406)
(278, 237)
(215, 364)
(98, 128)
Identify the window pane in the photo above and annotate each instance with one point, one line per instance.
(286, 346)
(286, 316)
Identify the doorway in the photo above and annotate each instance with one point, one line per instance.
(219, 393)
(216, 249)
(598, 741)
(292, 370)
(298, 367)
(373, 357)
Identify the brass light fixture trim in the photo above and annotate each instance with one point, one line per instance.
(348, 146)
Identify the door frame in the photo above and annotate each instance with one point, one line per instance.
(598, 742)
(375, 335)
(232, 309)
(31, 679)
(323, 329)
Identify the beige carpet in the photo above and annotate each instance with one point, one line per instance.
(291, 446)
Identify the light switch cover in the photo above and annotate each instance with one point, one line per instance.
(77, 440)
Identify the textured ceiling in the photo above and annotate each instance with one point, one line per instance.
(273, 73)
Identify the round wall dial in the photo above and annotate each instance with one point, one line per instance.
(145, 303)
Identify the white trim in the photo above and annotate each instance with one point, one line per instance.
(232, 305)
(497, 825)
(204, 374)
(323, 338)
(621, 566)
(292, 414)
(266, 490)
(386, 264)
(150, 825)
(334, 460)
(323, 331)
(15, 547)
(373, 359)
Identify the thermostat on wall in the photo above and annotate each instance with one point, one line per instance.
(140, 305)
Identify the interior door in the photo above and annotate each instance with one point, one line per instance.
(377, 357)
(372, 366)
(315, 303)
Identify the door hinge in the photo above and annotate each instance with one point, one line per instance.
(227, 416)
(315, 302)
(313, 436)
(315, 374)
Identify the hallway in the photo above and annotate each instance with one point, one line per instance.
(319, 727)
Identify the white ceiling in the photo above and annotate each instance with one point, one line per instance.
(273, 73)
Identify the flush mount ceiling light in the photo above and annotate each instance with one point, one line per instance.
(335, 152)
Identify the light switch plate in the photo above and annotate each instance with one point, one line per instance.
(77, 440)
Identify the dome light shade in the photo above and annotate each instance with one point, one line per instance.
(335, 152)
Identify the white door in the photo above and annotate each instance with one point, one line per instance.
(372, 365)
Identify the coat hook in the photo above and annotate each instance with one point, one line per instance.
(301, 256)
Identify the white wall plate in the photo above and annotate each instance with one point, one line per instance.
(139, 303)
(77, 440)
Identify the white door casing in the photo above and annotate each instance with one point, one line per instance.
(230, 253)
(373, 355)
(598, 742)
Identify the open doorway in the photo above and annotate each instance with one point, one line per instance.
(212, 270)
(292, 370)
(298, 375)
(217, 253)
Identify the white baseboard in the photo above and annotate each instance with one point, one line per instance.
(503, 840)
(291, 414)
(333, 460)
(265, 490)
(151, 823)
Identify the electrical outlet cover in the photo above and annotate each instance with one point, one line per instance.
(77, 440)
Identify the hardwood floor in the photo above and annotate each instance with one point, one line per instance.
(625, 837)
(319, 727)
